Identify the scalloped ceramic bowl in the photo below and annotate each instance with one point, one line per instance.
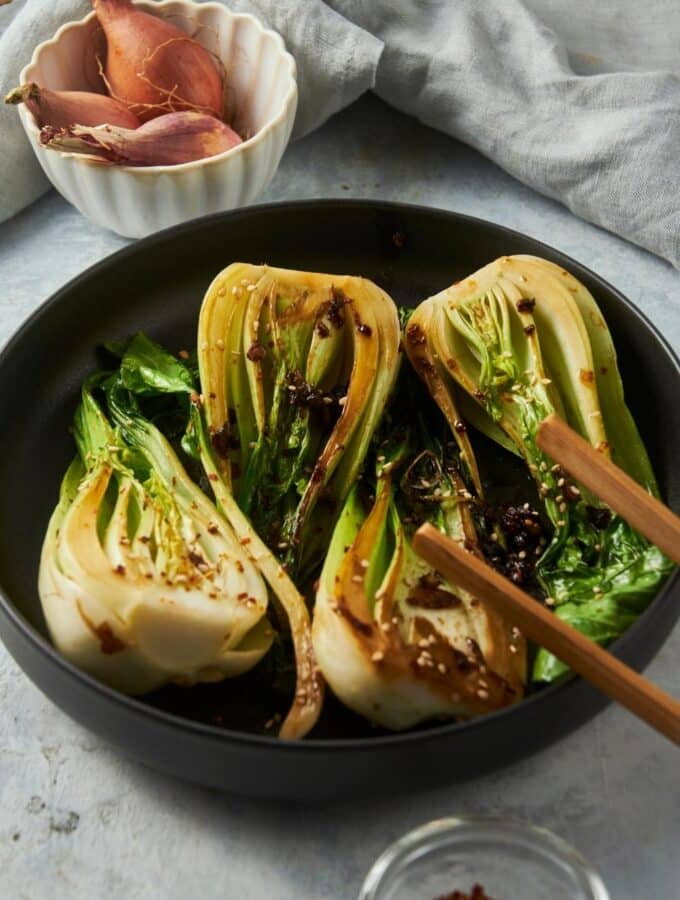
(137, 201)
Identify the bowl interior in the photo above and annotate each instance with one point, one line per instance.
(258, 74)
(157, 286)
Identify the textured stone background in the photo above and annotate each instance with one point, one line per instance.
(79, 821)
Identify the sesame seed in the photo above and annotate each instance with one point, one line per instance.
(234, 290)
(555, 468)
(560, 482)
(546, 381)
(441, 668)
(357, 579)
(250, 288)
(220, 344)
(549, 601)
(423, 642)
(559, 498)
(364, 563)
(482, 694)
(563, 507)
(522, 554)
(561, 523)
(513, 648)
(543, 467)
(378, 656)
(204, 345)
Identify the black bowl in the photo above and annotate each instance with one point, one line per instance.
(157, 285)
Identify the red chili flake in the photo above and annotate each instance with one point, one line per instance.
(109, 642)
(529, 329)
(183, 354)
(587, 376)
(256, 352)
(415, 335)
(399, 239)
(525, 305)
(120, 569)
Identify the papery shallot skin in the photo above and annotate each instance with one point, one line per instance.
(153, 66)
(60, 109)
(169, 140)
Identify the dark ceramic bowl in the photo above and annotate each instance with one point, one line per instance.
(157, 285)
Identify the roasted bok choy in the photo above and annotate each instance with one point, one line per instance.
(518, 340)
(296, 369)
(142, 581)
(395, 642)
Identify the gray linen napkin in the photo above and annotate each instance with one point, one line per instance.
(490, 73)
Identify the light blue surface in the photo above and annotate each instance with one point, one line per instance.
(79, 821)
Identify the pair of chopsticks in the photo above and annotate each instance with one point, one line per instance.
(646, 514)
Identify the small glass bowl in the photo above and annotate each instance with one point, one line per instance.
(509, 859)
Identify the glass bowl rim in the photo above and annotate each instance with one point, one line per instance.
(438, 831)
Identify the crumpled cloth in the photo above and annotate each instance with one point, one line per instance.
(600, 133)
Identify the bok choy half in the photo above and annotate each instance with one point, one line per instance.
(395, 642)
(142, 581)
(296, 369)
(518, 340)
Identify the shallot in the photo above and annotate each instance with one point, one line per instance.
(63, 108)
(165, 141)
(153, 66)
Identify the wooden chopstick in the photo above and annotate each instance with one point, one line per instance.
(596, 665)
(610, 483)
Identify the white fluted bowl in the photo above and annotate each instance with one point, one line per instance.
(136, 201)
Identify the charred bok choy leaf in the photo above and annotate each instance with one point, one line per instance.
(295, 371)
(395, 642)
(142, 581)
(522, 339)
